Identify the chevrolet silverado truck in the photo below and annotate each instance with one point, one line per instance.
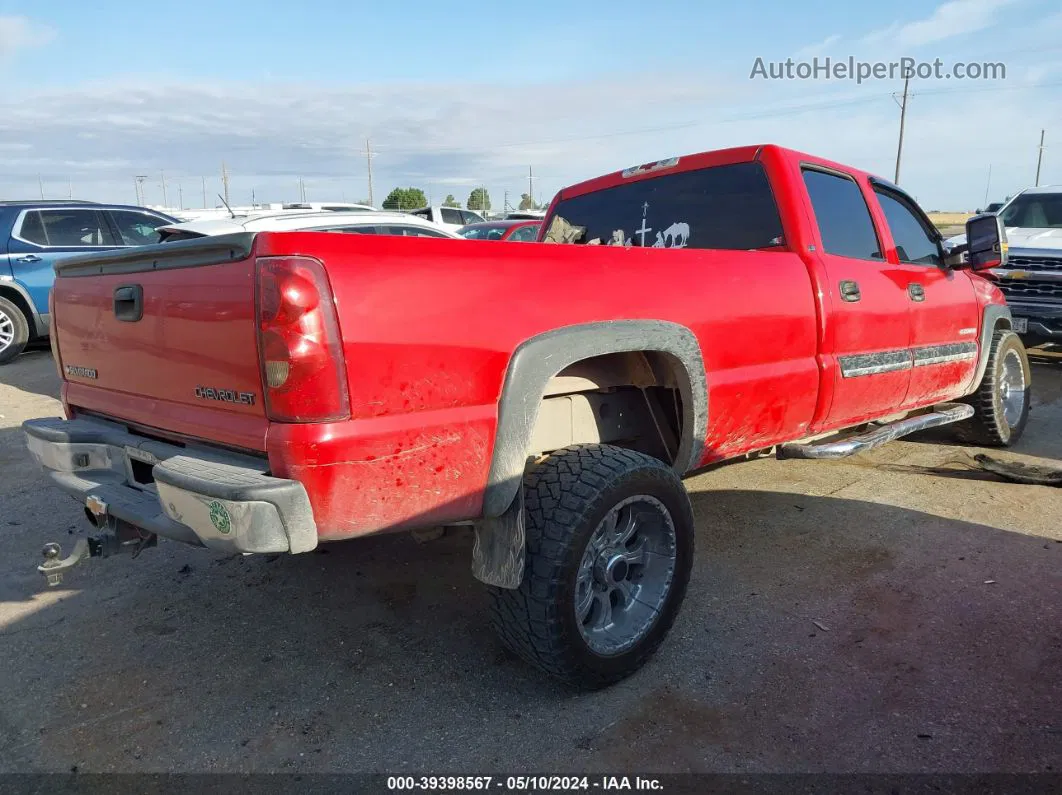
(1031, 278)
(269, 392)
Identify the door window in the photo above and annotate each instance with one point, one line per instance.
(65, 229)
(452, 216)
(913, 242)
(137, 229)
(844, 220)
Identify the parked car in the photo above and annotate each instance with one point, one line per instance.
(34, 234)
(1031, 278)
(526, 215)
(693, 311)
(346, 207)
(374, 223)
(449, 217)
(516, 231)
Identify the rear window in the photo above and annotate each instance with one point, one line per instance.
(723, 207)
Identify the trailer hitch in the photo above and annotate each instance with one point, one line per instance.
(120, 537)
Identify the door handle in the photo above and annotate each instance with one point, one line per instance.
(129, 303)
(28, 258)
(916, 291)
(850, 291)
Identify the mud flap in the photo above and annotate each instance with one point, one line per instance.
(498, 551)
(1018, 472)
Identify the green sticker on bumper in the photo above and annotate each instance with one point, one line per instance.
(219, 516)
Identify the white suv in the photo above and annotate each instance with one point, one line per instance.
(450, 217)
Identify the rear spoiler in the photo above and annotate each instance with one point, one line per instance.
(178, 254)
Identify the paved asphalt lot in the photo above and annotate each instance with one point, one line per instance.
(375, 655)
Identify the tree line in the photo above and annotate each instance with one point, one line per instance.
(478, 200)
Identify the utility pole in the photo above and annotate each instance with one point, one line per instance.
(180, 196)
(1040, 158)
(40, 184)
(302, 191)
(204, 192)
(69, 187)
(988, 184)
(368, 159)
(165, 201)
(530, 187)
(225, 181)
(140, 198)
(903, 118)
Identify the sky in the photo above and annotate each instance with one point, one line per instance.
(455, 95)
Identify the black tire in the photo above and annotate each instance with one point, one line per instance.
(990, 425)
(567, 496)
(14, 331)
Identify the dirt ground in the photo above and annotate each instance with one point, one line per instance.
(889, 613)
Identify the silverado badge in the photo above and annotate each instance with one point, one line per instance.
(81, 372)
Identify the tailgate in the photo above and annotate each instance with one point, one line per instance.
(165, 336)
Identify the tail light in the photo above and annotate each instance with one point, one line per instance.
(299, 348)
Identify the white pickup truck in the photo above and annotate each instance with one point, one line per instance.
(451, 218)
(1032, 277)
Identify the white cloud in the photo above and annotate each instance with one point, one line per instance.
(20, 33)
(951, 19)
(819, 48)
(450, 138)
(948, 20)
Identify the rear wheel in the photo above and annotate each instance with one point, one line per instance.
(1001, 402)
(14, 331)
(609, 553)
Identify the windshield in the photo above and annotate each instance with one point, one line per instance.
(1035, 211)
(482, 232)
(723, 207)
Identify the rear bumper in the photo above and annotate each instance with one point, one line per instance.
(201, 496)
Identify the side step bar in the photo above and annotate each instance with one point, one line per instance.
(944, 414)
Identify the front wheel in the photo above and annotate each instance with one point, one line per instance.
(609, 554)
(1001, 402)
(14, 331)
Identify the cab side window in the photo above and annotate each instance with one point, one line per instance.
(914, 243)
(842, 214)
(452, 216)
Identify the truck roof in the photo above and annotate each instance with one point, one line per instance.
(1043, 189)
(716, 157)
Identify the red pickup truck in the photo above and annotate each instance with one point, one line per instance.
(266, 393)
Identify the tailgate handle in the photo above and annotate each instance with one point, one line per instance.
(129, 303)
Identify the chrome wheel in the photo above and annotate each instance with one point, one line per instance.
(625, 574)
(1012, 387)
(7, 331)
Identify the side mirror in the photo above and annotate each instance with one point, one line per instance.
(986, 242)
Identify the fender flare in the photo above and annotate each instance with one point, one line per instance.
(995, 315)
(540, 358)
